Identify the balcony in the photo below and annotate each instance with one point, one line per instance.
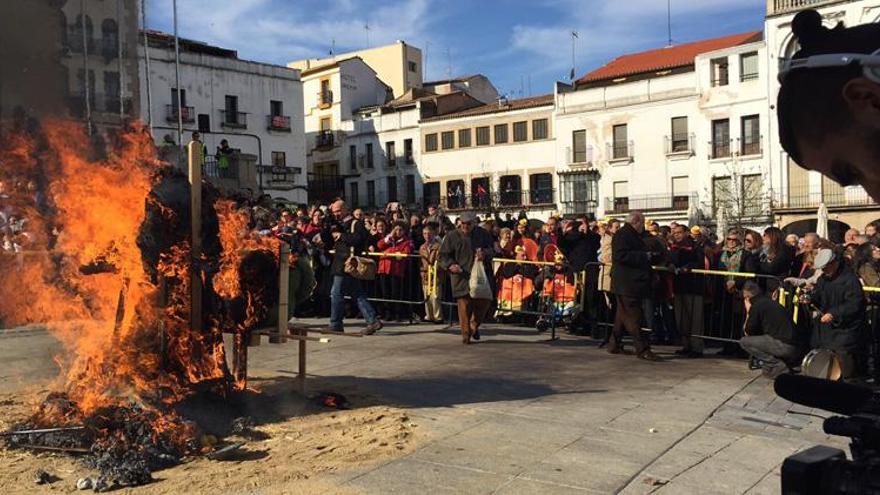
(579, 157)
(719, 150)
(188, 114)
(650, 203)
(325, 140)
(805, 197)
(233, 119)
(753, 148)
(679, 144)
(620, 151)
(776, 7)
(278, 123)
(325, 98)
(507, 200)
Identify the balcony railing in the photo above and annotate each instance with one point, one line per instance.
(499, 200)
(98, 103)
(720, 149)
(278, 123)
(651, 202)
(679, 143)
(325, 98)
(325, 140)
(784, 6)
(233, 119)
(753, 148)
(578, 156)
(809, 198)
(325, 188)
(221, 169)
(188, 114)
(620, 151)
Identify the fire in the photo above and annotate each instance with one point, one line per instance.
(82, 270)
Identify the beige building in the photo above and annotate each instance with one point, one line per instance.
(398, 65)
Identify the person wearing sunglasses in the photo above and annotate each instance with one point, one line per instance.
(828, 105)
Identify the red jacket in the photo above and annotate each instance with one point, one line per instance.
(394, 265)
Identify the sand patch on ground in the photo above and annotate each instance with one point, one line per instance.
(309, 450)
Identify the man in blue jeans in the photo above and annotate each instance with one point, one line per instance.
(349, 236)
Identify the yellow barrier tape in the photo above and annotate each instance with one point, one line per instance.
(393, 255)
(871, 289)
(523, 262)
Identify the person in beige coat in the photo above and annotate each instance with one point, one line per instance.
(607, 231)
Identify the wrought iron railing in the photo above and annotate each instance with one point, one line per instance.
(784, 6)
(278, 123)
(497, 200)
(325, 97)
(579, 156)
(679, 143)
(806, 197)
(720, 149)
(325, 139)
(187, 113)
(620, 150)
(650, 202)
(232, 118)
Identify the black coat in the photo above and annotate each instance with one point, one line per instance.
(353, 240)
(579, 248)
(459, 249)
(780, 267)
(630, 264)
(843, 297)
(687, 255)
(767, 317)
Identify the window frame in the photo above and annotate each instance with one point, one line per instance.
(751, 76)
(479, 131)
(464, 138)
(546, 129)
(500, 131)
(521, 127)
(447, 140)
(431, 142)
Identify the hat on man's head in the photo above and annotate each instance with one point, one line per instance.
(468, 216)
(523, 222)
(823, 258)
(696, 230)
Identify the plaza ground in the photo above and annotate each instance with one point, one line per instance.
(513, 413)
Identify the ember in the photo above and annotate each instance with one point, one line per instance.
(107, 269)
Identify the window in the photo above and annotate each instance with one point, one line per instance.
(389, 153)
(621, 197)
(368, 150)
(354, 196)
(276, 108)
(483, 136)
(371, 193)
(752, 196)
(541, 186)
(748, 66)
(579, 147)
(431, 142)
(480, 192)
(455, 194)
(464, 138)
(392, 188)
(679, 140)
(174, 94)
(520, 132)
(447, 140)
(621, 145)
(279, 159)
(719, 72)
(720, 138)
(410, 189)
(413, 67)
(111, 91)
(408, 151)
(431, 193)
(326, 123)
(231, 111)
(352, 157)
(511, 194)
(204, 123)
(539, 129)
(500, 133)
(751, 135)
(680, 193)
(579, 193)
(325, 97)
(722, 194)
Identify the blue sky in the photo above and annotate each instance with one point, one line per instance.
(516, 43)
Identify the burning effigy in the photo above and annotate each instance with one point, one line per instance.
(97, 249)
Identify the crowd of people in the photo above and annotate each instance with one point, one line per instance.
(639, 275)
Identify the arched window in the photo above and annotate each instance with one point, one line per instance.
(76, 34)
(109, 38)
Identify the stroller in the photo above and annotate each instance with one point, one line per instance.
(558, 296)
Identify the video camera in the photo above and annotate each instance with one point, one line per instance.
(826, 470)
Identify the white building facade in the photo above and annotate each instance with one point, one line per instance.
(256, 107)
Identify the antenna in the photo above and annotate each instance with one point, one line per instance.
(427, 72)
(574, 38)
(332, 46)
(530, 84)
(521, 87)
(669, 20)
(367, 33)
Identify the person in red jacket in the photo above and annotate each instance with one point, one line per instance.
(392, 269)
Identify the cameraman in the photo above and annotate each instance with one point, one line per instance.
(840, 301)
(769, 333)
(829, 101)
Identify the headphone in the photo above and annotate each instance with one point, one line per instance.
(870, 64)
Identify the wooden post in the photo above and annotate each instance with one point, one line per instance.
(283, 294)
(301, 375)
(195, 158)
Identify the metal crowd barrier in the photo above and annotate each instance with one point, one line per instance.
(400, 291)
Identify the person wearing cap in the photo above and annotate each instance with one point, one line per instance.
(840, 303)
(828, 104)
(631, 283)
(769, 332)
(688, 288)
(460, 250)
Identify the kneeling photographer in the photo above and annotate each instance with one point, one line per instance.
(769, 332)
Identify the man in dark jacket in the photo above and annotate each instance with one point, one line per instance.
(631, 283)
(840, 300)
(688, 289)
(769, 332)
(349, 238)
(460, 251)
